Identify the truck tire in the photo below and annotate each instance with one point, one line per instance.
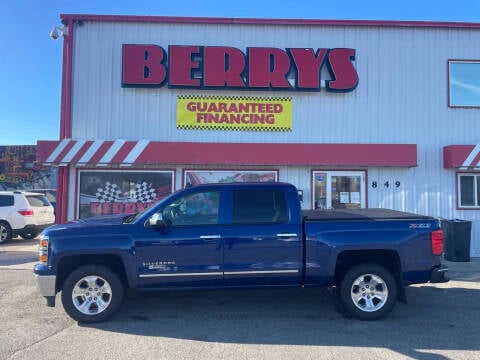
(368, 292)
(92, 293)
(5, 232)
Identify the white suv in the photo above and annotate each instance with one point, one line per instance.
(24, 213)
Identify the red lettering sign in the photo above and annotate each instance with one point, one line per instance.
(224, 67)
(340, 65)
(308, 67)
(143, 65)
(182, 66)
(268, 67)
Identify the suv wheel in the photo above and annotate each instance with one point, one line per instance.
(5, 232)
(29, 236)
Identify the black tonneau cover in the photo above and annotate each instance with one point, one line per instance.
(360, 214)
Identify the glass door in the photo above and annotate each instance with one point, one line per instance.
(320, 191)
(339, 189)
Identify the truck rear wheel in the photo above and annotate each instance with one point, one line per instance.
(92, 293)
(368, 292)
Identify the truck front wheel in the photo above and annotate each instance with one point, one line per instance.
(92, 293)
(368, 292)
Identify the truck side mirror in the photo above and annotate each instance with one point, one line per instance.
(156, 220)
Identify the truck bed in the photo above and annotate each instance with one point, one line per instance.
(376, 214)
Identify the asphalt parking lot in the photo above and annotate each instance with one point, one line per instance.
(441, 321)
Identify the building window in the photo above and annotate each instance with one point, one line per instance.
(468, 191)
(104, 192)
(464, 83)
(338, 189)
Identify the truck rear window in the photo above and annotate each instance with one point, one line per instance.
(259, 206)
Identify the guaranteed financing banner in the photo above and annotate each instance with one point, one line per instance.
(234, 113)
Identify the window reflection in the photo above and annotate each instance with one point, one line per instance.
(464, 83)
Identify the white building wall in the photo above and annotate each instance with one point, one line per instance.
(401, 98)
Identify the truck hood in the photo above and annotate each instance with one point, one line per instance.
(100, 220)
(96, 221)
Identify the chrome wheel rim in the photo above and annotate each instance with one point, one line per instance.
(92, 295)
(369, 292)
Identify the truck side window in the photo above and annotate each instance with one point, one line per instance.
(259, 206)
(193, 209)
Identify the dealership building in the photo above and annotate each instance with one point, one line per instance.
(354, 113)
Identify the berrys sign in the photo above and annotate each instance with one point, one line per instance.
(220, 67)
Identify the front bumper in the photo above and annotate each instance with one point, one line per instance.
(439, 274)
(46, 287)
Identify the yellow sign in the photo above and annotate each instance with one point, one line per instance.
(234, 113)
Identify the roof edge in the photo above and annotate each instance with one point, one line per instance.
(265, 21)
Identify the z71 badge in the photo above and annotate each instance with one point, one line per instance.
(420, 226)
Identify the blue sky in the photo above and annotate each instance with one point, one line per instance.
(30, 62)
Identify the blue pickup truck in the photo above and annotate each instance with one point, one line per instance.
(239, 235)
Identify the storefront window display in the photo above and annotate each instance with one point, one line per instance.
(194, 177)
(114, 192)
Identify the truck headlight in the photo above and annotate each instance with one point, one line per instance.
(43, 249)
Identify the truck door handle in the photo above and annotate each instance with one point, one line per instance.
(287, 235)
(208, 237)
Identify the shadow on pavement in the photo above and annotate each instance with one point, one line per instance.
(8, 258)
(18, 251)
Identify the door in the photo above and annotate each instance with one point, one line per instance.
(339, 189)
(262, 244)
(188, 252)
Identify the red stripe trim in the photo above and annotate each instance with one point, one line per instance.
(263, 21)
(44, 149)
(64, 152)
(66, 100)
(280, 154)
(123, 152)
(190, 153)
(65, 120)
(475, 161)
(455, 155)
(81, 151)
(62, 195)
(102, 150)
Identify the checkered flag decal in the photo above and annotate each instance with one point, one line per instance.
(144, 193)
(109, 193)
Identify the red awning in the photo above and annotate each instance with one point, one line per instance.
(462, 156)
(128, 153)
